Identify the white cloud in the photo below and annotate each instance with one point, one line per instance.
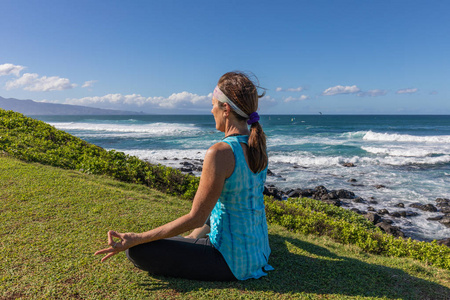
(267, 99)
(88, 84)
(176, 100)
(407, 91)
(339, 89)
(292, 99)
(32, 82)
(7, 69)
(297, 89)
(373, 93)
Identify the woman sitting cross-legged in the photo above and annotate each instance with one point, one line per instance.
(234, 244)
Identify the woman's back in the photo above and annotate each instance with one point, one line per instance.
(238, 221)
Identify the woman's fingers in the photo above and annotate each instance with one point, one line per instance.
(111, 241)
(115, 246)
(108, 256)
(103, 251)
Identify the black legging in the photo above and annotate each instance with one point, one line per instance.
(181, 257)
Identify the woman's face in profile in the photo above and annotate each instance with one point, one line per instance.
(217, 112)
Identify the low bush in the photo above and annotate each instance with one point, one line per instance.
(36, 141)
(310, 216)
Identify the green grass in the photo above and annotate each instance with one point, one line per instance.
(53, 220)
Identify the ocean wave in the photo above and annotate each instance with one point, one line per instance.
(394, 137)
(354, 134)
(311, 161)
(292, 141)
(166, 156)
(407, 151)
(154, 129)
(418, 161)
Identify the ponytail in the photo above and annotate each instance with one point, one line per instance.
(257, 158)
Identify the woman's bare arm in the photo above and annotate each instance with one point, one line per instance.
(218, 165)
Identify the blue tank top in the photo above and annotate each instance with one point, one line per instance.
(238, 220)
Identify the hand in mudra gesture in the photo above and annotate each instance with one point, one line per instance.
(118, 242)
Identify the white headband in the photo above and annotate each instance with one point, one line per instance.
(220, 96)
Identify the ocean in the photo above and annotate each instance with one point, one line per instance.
(408, 155)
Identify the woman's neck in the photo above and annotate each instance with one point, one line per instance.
(236, 129)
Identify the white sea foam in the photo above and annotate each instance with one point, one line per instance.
(301, 141)
(407, 151)
(304, 159)
(154, 129)
(169, 156)
(354, 135)
(393, 137)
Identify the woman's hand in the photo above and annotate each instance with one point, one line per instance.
(125, 241)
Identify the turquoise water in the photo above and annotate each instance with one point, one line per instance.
(410, 155)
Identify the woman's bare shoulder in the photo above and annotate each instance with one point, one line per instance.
(221, 155)
(219, 150)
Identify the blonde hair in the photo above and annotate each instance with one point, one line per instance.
(238, 87)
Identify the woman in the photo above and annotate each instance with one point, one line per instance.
(229, 197)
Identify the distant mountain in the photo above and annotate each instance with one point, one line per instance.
(33, 108)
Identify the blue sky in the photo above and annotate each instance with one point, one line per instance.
(336, 57)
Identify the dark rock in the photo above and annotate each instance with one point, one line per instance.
(443, 201)
(372, 217)
(436, 218)
(373, 201)
(383, 211)
(388, 228)
(370, 208)
(411, 213)
(333, 202)
(396, 214)
(272, 191)
(401, 205)
(295, 193)
(445, 209)
(416, 205)
(352, 180)
(307, 193)
(424, 207)
(333, 195)
(358, 200)
(349, 165)
(389, 221)
(445, 221)
(164, 158)
(380, 186)
(269, 173)
(357, 211)
(445, 242)
(344, 194)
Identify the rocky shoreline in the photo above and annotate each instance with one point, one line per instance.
(381, 218)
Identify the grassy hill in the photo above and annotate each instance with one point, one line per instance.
(53, 220)
(55, 217)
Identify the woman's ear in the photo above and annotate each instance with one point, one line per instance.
(226, 109)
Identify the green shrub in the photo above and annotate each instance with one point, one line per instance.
(36, 141)
(310, 216)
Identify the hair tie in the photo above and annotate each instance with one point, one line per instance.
(253, 118)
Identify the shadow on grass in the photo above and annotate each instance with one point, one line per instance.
(319, 271)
